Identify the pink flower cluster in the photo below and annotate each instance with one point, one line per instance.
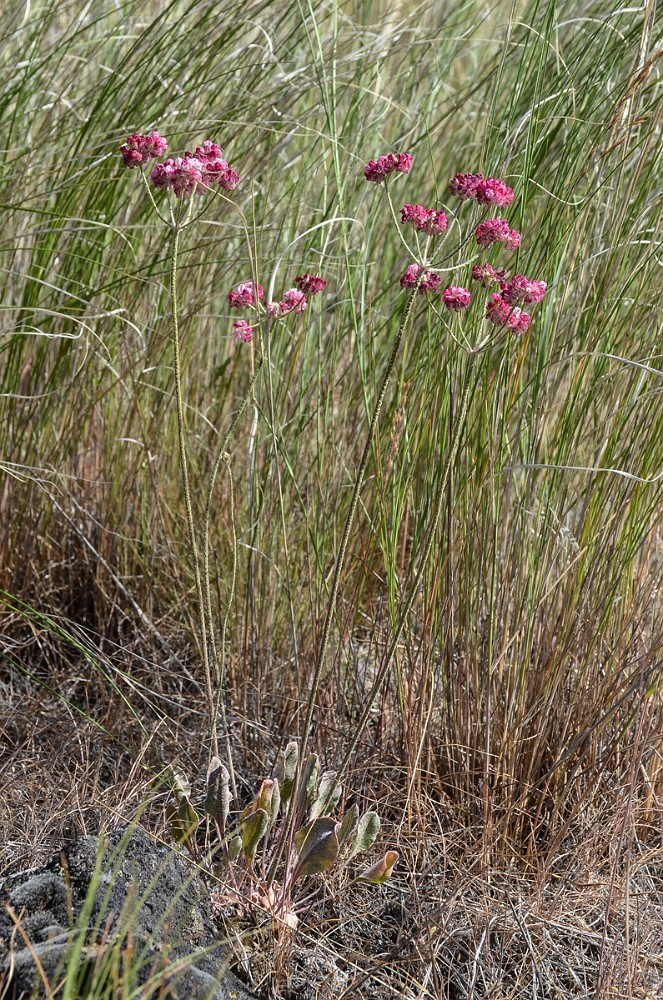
(248, 295)
(501, 313)
(245, 295)
(521, 289)
(293, 300)
(242, 331)
(310, 284)
(456, 298)
(183, 175)
(425, 220)
(378, 170)
(497, 231)
(138, 148)
(484, 190)
(487, 275)
(502, 309)
(429, 283)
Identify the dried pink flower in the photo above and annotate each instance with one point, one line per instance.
(427, 220)
(310, 284)
(521, 289)
(139, 147)
(501, 313)
(487, 275)
(429, 283)
(456, 298)
(242, 331)
(245, 295)
(378, 170)
(484, 190)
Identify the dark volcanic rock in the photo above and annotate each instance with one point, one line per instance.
(141, 889)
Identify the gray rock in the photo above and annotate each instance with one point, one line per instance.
(142, 886)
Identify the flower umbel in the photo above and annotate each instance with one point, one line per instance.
(487, 275)
(497, 231)
(310, 284)
(425, 220)
(456, 298)
(521, 289)
(429, 283)
(245, 295)
(242, 331)
(139, 148)
(501, 313)
(484, 190)
(378, 170)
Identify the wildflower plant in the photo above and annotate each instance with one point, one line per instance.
(184, 180)
(243, 851)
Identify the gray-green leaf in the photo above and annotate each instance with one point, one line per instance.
(329, 792)
(218, 798)
(252, 829)
(317, 847)
(367, 831)
(284, 771)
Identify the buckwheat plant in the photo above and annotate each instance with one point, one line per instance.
(241, 853)
(474, 321)
(184, 181)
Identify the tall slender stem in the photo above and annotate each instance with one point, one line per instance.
(219, 662)
(439, 502)
(342, 551)
(186, 489)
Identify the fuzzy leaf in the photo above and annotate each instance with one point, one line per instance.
(269, 798)
(307, 782)
(367, 831)
(183, 821)
(329, 792)
(179, 782)
(348, 825)
(284, 771)
(381, 870)
(317, 847)
(252, 829)
(218, 798)
(234, 847)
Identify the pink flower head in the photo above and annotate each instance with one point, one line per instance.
(501, 313)
(426, 220)
(521, 289)
(429, 282)
(182, 176)
(484, 190)
(378, 170)
(497, 231)
(274, 310)
(487, 275)
(138, 148)
(293, 301)
(208, 151)
(245, 295)
(310, 284)
(456, 298)
(464, 186)
(492, 191)
(242, 331)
